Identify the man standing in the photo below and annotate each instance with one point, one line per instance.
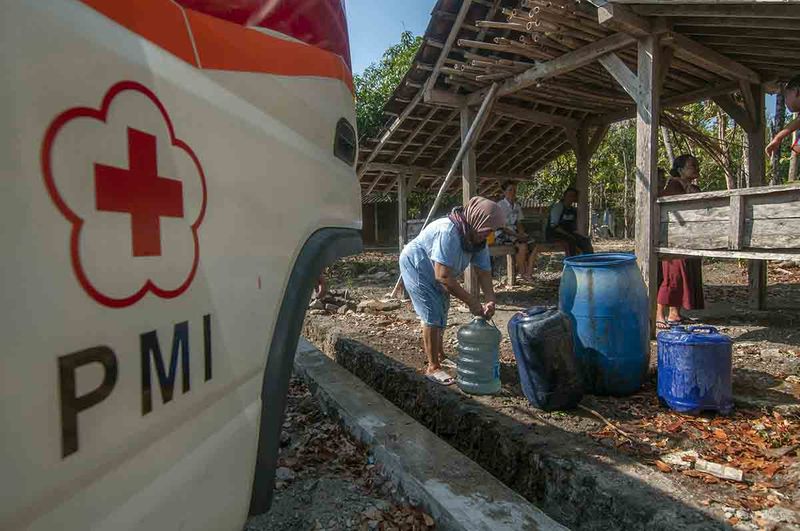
(563, 224)
(513, 233)
(791, 94)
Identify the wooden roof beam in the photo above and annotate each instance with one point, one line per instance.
(712, 60)
(621, 18)
(565, 63)
(392, 128)
(735, 111)
(446, 122)
(538, 117)
(374, 183)
(754, 10)
(448, 45)
(620, 71)
(414, 133)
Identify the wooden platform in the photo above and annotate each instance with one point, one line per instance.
(760, 223)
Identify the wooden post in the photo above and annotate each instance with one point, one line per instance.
(469, 187)
(647, 129)
(757, 269)
(793, 159)
(582, 157)
(402, 210)
(377, 233)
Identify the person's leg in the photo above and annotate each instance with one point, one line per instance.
(584, 244)
(664, 298)
(531, 265)
(661, 321)
(571, 246)
(522, 256)
(670, 292)
(432, 344)
(440, 345)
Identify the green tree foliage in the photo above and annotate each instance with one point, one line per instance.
(376, 84)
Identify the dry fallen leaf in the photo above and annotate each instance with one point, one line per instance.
(428, 519)
(733, 520)
(771, 469)
(721, 435)
(662, 466)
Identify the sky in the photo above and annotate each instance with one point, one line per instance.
(374, 25)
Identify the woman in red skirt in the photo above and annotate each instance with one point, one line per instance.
(682, 278)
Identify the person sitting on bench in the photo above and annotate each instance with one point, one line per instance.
(562, 225)
(513, 233)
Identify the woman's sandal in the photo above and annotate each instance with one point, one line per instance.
(663, 325)
(680, 322)
(440, 377)
(448, 363)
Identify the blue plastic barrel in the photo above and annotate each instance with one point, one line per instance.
(548, 372)
(604, 296)
(695, 366)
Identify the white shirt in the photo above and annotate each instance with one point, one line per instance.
(513, 213)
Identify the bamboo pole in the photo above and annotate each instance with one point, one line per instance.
(469, 140)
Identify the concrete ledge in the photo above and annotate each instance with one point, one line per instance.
(457, 492)
(570, 477)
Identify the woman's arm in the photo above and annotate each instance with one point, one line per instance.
(775, 144)
(485, 282)
(445, 277)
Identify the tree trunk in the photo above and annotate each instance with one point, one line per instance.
(722, 133)
(793, 159)
(668, 145)
(746, 161)
(778, 122)
(625, 196)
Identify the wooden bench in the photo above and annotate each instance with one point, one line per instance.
(534, 224)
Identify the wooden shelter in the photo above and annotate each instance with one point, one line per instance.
(552, 75)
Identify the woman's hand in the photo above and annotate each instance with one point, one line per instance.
(775, 145)
(488, 309)
(475, 308)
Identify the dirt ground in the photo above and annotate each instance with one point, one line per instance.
(328, 481)
(761, 438)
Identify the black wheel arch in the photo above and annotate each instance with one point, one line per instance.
(320, 250)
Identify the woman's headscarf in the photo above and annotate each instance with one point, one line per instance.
(479, 214)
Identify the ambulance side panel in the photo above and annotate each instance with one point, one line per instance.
(137, 325)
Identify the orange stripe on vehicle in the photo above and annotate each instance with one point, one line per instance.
(159, 21)
(223, 45)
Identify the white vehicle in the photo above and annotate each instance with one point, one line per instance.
(175, 176)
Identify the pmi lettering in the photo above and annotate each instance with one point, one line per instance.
(151, 362)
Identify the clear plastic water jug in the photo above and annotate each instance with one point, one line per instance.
(478, 368)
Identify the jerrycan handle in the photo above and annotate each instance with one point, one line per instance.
(702, 328)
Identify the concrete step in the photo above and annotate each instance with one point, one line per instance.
(456, 491)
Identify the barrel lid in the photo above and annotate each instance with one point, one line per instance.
(693, 334)
(600, 260)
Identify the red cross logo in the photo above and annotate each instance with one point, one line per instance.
(106, 249)
(140, 192)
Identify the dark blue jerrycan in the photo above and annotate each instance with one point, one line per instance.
(695, 366)
(604, 296)
(548, 371)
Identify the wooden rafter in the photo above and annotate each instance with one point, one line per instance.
(713, 60)
(565, 63)
(446, 47)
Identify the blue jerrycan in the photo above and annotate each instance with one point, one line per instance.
(695, 366)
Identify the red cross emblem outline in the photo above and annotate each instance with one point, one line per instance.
(100, 114)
